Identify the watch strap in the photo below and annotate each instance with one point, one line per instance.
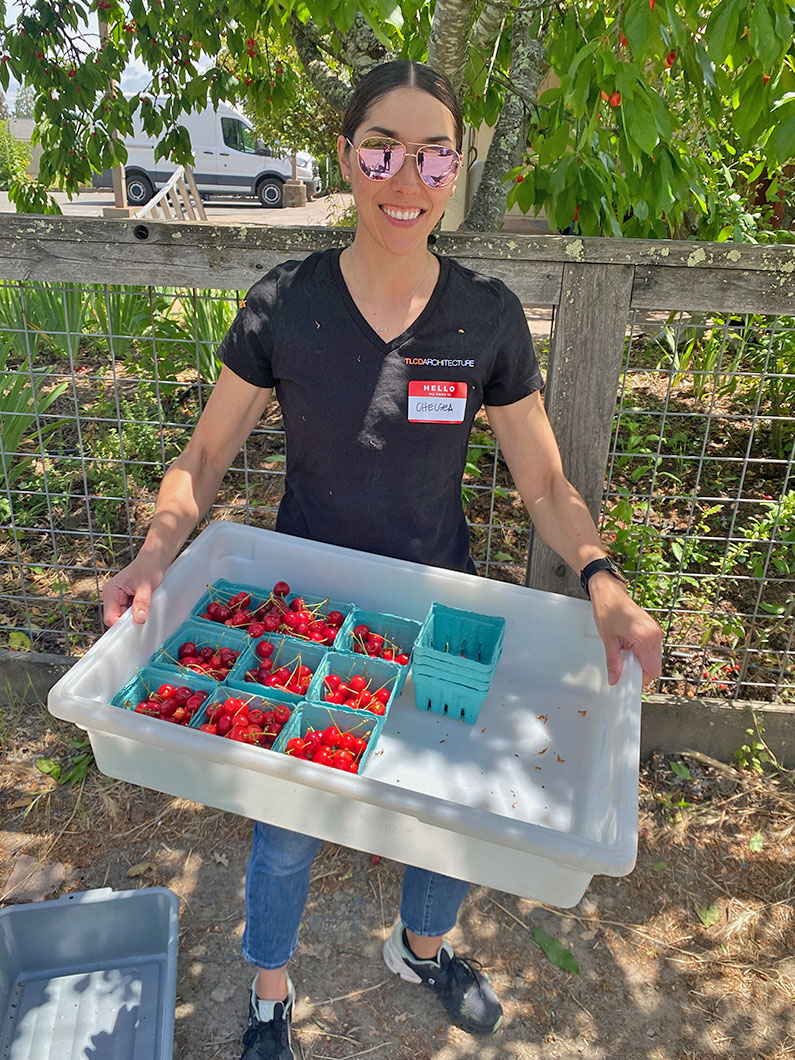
(603, 563)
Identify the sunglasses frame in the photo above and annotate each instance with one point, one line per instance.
(408, 154)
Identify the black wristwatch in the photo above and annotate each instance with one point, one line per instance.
(594, 567)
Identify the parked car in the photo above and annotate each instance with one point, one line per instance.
(229, 160)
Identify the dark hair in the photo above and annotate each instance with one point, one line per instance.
(398, 74)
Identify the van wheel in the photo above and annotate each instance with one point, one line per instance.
(139, 189)
(270, 193)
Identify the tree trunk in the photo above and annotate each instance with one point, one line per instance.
(449, 44)
(528, 64)
(335, 92)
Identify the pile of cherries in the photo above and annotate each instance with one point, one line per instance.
(236, 720)
(365, 642)
(294, 678)
(177, 705)
(275, 615)
(354, 692)
(330, 747)
(214, 662)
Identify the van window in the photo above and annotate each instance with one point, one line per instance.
(237, 135)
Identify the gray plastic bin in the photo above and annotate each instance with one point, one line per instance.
(90, 976)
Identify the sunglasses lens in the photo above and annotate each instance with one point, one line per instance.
(380, 158)
(437, 165)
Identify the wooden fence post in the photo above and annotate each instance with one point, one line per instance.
(580, 397)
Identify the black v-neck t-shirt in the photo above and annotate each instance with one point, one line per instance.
(377, 432)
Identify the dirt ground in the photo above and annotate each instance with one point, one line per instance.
(690, 957)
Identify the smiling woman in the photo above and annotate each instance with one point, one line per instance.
(379, 385)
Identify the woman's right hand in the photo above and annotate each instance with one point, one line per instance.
(132, 587)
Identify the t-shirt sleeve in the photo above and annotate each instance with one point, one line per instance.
(515, 372)
(247, 348)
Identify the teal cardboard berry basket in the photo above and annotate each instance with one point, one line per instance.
(287, 652)
(460, 644)
(402, 632)
(440, 696)
(254, 702)
(149, 678)
(221, 591)
(376, 672)
(313, 716)
(202, 634)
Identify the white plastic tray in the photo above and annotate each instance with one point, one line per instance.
(536, 798)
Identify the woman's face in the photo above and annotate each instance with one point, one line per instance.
(413, 117)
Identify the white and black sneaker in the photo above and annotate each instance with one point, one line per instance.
(268, 1035)
(464, 991)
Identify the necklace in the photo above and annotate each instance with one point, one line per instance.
(405, 301)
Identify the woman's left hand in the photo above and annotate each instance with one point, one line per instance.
(623, 625)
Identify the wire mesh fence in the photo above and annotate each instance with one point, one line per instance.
(102, 384)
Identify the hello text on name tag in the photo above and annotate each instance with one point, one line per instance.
(437, 402)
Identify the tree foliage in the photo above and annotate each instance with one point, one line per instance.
(664, 110)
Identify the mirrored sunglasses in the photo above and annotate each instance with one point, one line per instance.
(381, 157)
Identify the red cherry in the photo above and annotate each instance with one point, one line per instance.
(222, 613)
(382, 695)
(361, 630)
(335, 618)
(209, 727)
(615, 98)
(264, 649)
(298, 604)
(166, 690)
(256, 629)
(402, 659)
(188, 648)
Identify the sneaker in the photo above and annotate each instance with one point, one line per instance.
(464, 991)
(268, 1036)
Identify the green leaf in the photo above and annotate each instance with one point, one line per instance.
(49, 767)
(721, 32)
(640, 123)
(503, 557)
(763, 36)
(781, 143)
(18, 641)
(555, 952)
(681, 770)
(659, 866)
(756, 842)
(707, 914)
(554, 145)
(638, 27)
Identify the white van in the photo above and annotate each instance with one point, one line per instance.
(229, 160)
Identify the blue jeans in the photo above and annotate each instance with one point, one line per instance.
(277, 883)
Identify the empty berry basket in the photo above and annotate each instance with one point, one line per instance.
(462, 644)
(441, 696)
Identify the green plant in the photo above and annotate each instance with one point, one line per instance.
(754, 754)
(206, 316)
(22, 400)
(14, 157)
(121, 314)
(342, 216)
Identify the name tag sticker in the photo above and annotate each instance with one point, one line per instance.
(442, 402)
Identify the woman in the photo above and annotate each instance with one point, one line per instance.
(381, 355)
